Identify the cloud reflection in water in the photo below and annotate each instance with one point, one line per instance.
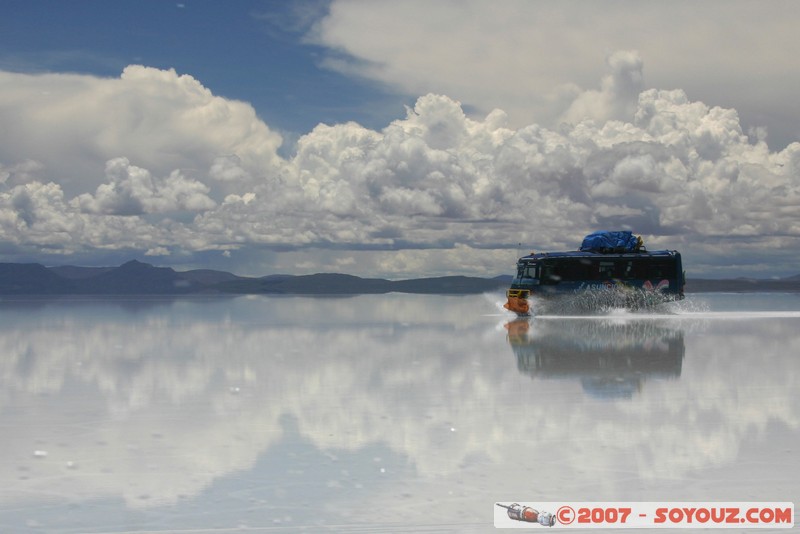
(155, 404)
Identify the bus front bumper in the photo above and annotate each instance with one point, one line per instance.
(517, 301)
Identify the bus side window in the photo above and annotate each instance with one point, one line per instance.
(662, 270)
(571, 269)
(549, 275)
(606, 270)
(639, 270)
(627, 270)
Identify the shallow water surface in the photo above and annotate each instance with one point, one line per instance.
(403, 413)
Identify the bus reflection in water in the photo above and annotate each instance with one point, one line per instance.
(610, 359)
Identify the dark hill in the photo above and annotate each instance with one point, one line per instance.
(137, 278)
(312, 284)
(208, 276)
(741, 285)
(79, 273)
(345, 284)
(448, 285)
(31, 279)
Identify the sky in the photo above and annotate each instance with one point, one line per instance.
(398, 139)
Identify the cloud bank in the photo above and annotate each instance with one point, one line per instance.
(153, 162)
(532, 58)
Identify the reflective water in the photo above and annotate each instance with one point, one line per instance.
(402, 413)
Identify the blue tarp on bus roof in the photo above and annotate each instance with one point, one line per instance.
(604, 241)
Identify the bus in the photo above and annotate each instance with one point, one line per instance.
(630, 271)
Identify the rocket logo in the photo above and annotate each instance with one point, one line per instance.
(527, 514)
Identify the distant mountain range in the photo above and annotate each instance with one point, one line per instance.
(137, 278)
(742, 285)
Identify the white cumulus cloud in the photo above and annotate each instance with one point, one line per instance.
(679, 171)
(132, 190)
(533, 59)
(72, 124)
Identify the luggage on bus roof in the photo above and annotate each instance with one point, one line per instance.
(617, 241)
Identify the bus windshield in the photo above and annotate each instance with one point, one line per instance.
(527, 270)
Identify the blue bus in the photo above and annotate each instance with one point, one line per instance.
(630, 271)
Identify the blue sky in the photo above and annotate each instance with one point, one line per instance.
(397, 139)
(246, 50)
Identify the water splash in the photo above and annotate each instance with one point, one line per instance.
(689, 306)
(605, 302)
